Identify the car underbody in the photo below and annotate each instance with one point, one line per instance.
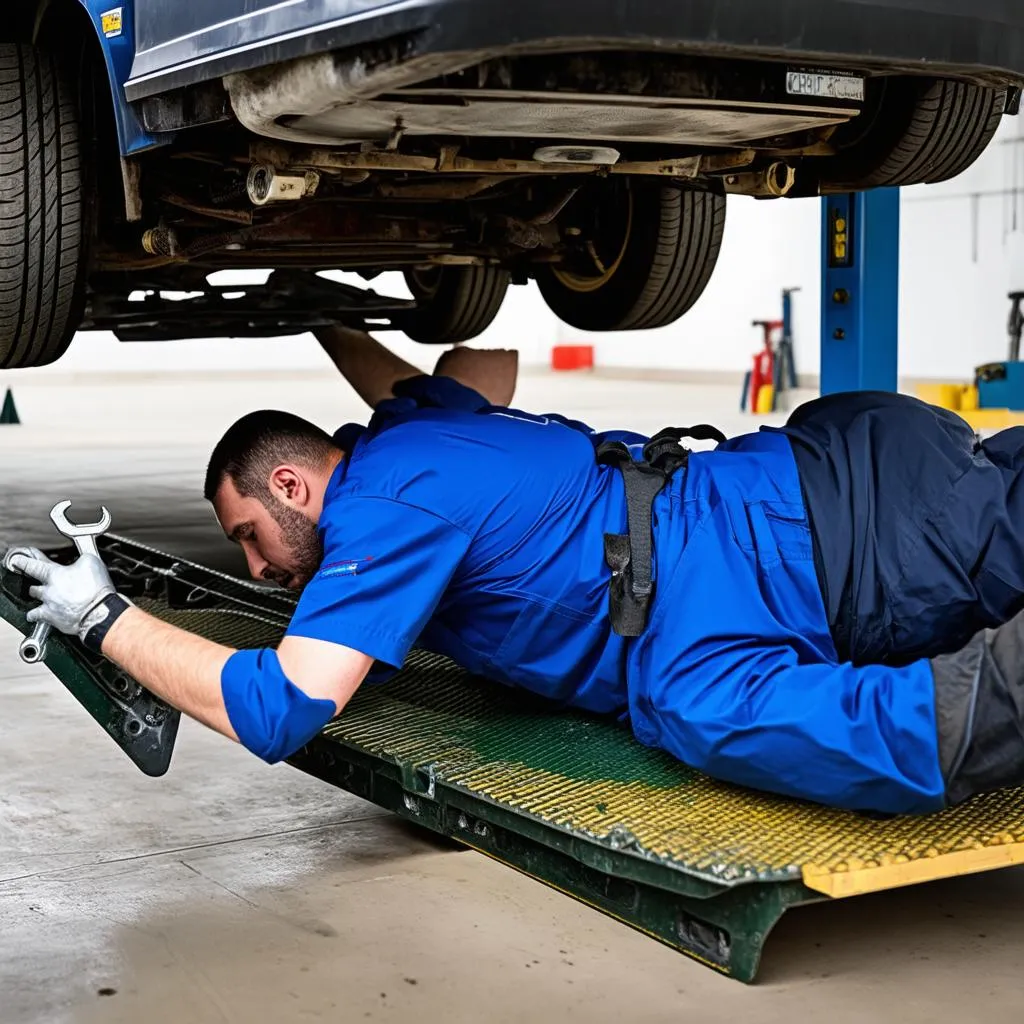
(520, 134)
(505, 163)
(598, 168)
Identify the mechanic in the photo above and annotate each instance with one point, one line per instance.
(809, 610)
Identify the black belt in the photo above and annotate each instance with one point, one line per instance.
(630, 555)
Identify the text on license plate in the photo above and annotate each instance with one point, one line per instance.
(827, 86)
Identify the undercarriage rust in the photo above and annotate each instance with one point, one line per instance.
(384, 208)
(472, 163)
(467, 147)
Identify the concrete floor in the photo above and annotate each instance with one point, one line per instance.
(232, 891)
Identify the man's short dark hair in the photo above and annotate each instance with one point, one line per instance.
(259, 442)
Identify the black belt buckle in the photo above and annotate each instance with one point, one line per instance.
(626, 609)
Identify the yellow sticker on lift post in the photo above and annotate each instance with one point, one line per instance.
(840, 242)
(110, 22)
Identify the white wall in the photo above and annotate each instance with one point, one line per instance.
(962, 251)
(955, 274)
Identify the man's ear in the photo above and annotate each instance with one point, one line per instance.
(288, 485)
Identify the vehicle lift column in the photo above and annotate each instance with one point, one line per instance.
(860, 291)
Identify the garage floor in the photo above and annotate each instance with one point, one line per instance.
(232, 891)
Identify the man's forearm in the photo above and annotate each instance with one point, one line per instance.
(368, 366)
(374, 370)
(177, 666)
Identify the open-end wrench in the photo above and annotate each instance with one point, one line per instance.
(33, 647)
(83, 534)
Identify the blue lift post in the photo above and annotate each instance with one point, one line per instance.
(860, 291)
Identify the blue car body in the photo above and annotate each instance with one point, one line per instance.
(155, 46)
(587, 145)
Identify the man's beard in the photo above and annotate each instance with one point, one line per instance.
(301, 536)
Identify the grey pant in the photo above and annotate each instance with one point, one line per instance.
(979, 698)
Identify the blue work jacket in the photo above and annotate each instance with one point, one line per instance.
(478, 532)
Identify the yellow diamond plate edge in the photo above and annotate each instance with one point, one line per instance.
(875, 878)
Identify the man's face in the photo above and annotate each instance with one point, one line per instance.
(280, 543)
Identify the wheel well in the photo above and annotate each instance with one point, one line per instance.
(28, 20)
(19, 24)
(64, 28)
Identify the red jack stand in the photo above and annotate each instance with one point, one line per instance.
(762, 374)
(773, 367)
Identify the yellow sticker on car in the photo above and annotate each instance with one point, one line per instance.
(110, 22)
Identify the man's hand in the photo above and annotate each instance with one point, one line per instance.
(70, 594)
(177, 666)
(181, 668)
(490, 371)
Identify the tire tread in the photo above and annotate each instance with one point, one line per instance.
(41, 209)
(950, 126)
(464, 306)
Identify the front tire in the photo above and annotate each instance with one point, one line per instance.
(454, 304)
(646, 253)
(42, 221)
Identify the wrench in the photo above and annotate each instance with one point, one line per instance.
(33, 647)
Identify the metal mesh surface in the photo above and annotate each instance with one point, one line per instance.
(588, 775)
(228, 627)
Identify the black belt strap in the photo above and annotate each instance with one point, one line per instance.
(630, 556)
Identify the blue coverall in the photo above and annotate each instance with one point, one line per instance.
(477, 532)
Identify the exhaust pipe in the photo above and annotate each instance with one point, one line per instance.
(771, 182)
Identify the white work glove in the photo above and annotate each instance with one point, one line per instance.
(73, 596)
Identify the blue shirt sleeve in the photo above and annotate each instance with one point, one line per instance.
(386, 566)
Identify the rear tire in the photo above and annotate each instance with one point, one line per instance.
(454, 304)
(657, 248)
(922, 131)
(42, 225)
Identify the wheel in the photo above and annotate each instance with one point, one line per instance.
(645, 255)
(454, 304)
(916, 131)
(42, 229)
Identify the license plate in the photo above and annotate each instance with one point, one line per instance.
(825, 85)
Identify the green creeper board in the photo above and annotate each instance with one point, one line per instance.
(569, 799)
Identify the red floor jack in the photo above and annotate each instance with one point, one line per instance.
(774, 370)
